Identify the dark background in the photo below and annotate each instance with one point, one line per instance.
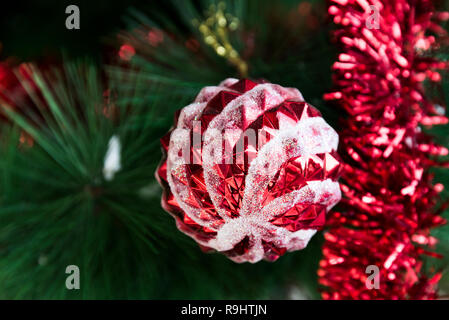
(31, 29)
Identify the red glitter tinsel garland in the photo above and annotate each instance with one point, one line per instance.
(389, 199)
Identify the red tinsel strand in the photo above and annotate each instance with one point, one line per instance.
(389, 199)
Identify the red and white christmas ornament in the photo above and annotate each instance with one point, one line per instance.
(250, 170)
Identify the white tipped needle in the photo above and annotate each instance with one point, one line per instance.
(112, 159)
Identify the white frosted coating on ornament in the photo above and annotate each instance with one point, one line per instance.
(228, 82)
(306, 138)
(294, 141)
(209, 92)
(296, 240)
(189, 113)
(327, 192)
(248, 104)
(287, 201)
(176, 167)
(178, 142)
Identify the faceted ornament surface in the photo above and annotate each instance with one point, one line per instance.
(250, 170)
